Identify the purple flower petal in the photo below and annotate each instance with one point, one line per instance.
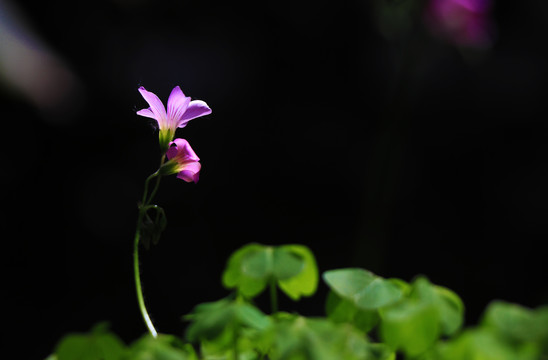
(195, 109)
(156, 107)
(177, 104)
(146, 113)
(474, 5)
(181, 151)
(171, 152)
(463, 22)
(190, 172)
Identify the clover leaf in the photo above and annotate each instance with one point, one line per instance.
(363, 288)
(292, 267)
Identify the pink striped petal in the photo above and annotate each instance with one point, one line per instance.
(156, 107)
(177, 104)
(195, 109)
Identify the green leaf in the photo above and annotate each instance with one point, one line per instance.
(271, 262)
(253, 266)
(225, 325)
(299, 338)
(380, 352)
(411, 326)
(541, 317)
(451, 310)
(236, 275)
(99, 344)
(257, 264)
(377, 294)
(366, 290)
(404, 286)
(340, 310)
(447, 303)
(164, 347)
(287, 263)
(516, 322)
(305, 282)
(209, 320)
(348, 282)
(483, 344)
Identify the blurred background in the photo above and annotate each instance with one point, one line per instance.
(397, 136)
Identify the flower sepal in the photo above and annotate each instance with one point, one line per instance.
(165, 137)
(170, 167)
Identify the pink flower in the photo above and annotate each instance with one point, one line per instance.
(183, 161)
(462, 22)
(180, 110)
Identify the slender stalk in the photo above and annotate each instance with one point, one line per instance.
(143, 208)
(137, 274)
(145, 201)
(273, 296)
(157, 181)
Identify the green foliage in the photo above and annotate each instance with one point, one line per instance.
(411, 317)
(98, 344)
(252, 267)
(226, 327)
(517, 323)
(411, 326)
(447, 304)
(415, 323)
(417, 320)
(340, 310)
(298, 338)
(164, 347)
(305, 282)
(101, 344)
(210, 320)
(482, 344)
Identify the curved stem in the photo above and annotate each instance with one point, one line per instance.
(157, 181)
(137, 274)
(143, 207)
(145, 201)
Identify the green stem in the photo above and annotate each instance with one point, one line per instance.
(157, 180)
(273, 296)
(143, 208)
(140, 298)
(145, 201)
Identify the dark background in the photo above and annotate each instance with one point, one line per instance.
(403, 156)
